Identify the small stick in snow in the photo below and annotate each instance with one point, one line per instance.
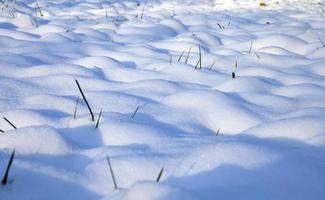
(83, 96)
(135, 112)
(106, 14)
(142, 13)
(98, 68)
(197, 64)
(100, 114)
(233, 75)
(200, 56)
(1, 1)
(321, 41)
(5, 177)
(39, 10)
(218, 132)
(257, 56)
(159, 175)
(33, 22)
(111, 170)
(214, 62)
(250, 47)
(75, 108)
(9, 122)
(236, 64)
(200, 59)
(180, 57)
(188, 55)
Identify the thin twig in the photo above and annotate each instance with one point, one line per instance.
(200, 56)
(33, 22)
(106, 14)
(111, 170)
(9, 122)
(218, 132)
(83, 96)
(135, 112)
(100, 114)
(321, 41)
(214, 62)
(1, 131)
(142, 13)
(180, 57)
(200, 59)
(75, 108)
(188, 55)
(257, 56)
(5, 177)
(159, 175)
(250, 47)
(1, 1)
(39, 10)
(197, 64)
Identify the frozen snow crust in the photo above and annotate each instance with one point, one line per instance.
(259, 135)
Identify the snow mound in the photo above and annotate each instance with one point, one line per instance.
(300, 128)
(215, 110)
(35, 140)
(209, 157)
(153, 191)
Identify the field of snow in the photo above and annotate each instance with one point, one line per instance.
(226, 96)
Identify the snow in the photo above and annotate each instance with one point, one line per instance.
(260, 135)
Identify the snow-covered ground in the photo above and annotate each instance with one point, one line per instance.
(226, 96)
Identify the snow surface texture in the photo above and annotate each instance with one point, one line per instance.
(258, 136)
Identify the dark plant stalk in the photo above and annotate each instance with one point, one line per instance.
(159, 175)
(321, 41)
(10, 123)
(142, 13)
(214, 62)
(83, 96)
(200, 56)
(75, 108)
(39, 10)
(106, 14)
(197, 64)
(111, 171)
(233, 75)
(257, 56)
(1, 1)
(188, 55)
(100, 114)
(200, 59)
(135, 112)
(250, 47)
(1, 131)
(218, 132)
(180, 57)
(5, 177)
